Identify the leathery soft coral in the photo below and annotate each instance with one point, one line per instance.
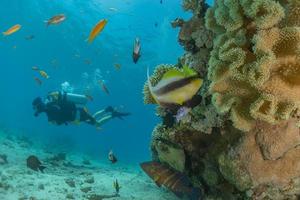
(255, 63)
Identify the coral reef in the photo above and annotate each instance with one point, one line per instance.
(254, 66)
(240, 138)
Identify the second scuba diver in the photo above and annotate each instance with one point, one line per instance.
(64, 108)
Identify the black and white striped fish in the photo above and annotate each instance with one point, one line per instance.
(175, 87)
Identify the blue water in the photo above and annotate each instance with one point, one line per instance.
(63, 53)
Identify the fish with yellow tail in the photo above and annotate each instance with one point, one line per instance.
(97, 30)
(176, 87)
(12, 30)
(57, 19)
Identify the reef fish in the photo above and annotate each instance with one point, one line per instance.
(117, 186)
(35, 164)
(29, 37)
(44, 74)
(57, 19)
(12, 30)
(175, 181)
(97, 30)
(111, 157)
(117, 66)
(136, 50)
(35, 68)
(181, 113)
(103, 87)
(38, 81)
(176, 86)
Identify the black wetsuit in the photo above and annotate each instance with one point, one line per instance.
(62, 111)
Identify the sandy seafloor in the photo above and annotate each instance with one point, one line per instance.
(93, 181)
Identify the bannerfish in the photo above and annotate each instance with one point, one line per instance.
(97, 30)
(117, 186)
(111, 157)
(57, 19)
(38, 81)
(136, 50)
(176, 86)
(35, 164)
(12, 30)
(103, 87)
(44, 74)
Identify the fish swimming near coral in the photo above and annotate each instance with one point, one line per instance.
(176, 87)
(57, 19)
(97, 30)
(12, 30)
(136, 50)
(175, 181)
(111, 157)
(35, 164)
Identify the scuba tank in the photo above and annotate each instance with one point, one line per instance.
(77, 98)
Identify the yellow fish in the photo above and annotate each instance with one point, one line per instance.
(96, 30)
(175, 87)
(44, 74)
(12, 30)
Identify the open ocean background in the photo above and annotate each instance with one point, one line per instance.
(63, 53)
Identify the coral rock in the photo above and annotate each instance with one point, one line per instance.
(255, 64)
(175, 157)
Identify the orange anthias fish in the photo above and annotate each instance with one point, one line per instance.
(103, 87)
(57, 19)
(38, 81)
(12, 30)
(96, 30)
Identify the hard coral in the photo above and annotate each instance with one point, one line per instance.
(255, 64)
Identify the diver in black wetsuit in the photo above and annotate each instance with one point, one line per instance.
(60, 110)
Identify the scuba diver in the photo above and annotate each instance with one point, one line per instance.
(63, 108)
